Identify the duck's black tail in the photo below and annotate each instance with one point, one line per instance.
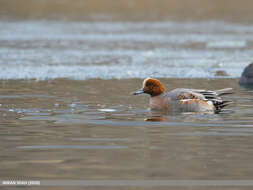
(218, 102)
(215, 97)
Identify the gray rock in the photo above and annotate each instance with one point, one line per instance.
(247, 75)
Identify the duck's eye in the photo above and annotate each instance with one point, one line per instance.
(150, 84)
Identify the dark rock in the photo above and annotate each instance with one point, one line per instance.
(247, 75)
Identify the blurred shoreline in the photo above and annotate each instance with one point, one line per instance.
(131, 10)
(82, 50)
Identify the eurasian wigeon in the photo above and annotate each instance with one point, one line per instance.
(182, 99)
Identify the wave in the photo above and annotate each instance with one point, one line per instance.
(45, 50)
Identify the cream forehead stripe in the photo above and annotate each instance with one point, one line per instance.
(144, 82)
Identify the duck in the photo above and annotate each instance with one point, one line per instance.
(182, 99)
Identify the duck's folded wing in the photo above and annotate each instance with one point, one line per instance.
(209, 94)
(203, 98)
(189, 100)
(184, 94)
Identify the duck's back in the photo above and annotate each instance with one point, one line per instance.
(195, 100)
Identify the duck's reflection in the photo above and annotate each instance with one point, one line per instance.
(155, 119)
(164, 116)
(156, 116)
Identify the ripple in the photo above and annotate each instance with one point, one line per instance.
(91, 50)
(104, 147)
(107, 110)
(105, 139)
(226, 44)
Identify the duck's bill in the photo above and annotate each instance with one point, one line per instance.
(140, 91)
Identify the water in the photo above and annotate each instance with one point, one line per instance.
(120, 50)
(95, 130)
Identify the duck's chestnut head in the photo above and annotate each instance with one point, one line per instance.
(151, 86)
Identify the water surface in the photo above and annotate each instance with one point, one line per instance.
(121, 50)
(95, 130)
